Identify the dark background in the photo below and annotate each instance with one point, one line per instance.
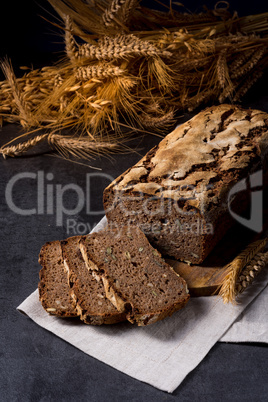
(34, 364)
(27, 38)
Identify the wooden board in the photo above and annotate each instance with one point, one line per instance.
(204, 279)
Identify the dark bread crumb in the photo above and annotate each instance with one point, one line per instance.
(135, 276)
(87, 288)
(54, 290)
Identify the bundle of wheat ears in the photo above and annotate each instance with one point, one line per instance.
(130, 66)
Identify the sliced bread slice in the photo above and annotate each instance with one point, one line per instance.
(136, 279)
(87, 288)
(54, 290)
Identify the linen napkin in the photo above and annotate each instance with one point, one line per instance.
(164, 353)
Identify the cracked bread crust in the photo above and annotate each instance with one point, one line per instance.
(187, 177)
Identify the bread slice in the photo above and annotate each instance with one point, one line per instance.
(136, 279)
(87, 289)
(54, 290)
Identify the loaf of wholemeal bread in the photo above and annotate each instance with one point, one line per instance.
(54, 291)
(136, 279)
(178, 193)
(87, 289)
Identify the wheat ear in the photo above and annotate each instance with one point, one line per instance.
(21, 104)
(227, 290)
(80, 147)
(248, 83)
(19, 149)
(110, 13)
(97, 71)
(70, 44)
(196, 100)
(255, 58)
(251, 270)
(127, 10)
(157, 122)
(119, 47)
(222, 69)
(240, 60)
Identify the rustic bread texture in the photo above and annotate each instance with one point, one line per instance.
(87, 289)
(178, 192)
(136, 279)
(54, 290)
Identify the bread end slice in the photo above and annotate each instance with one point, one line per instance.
(54, 291)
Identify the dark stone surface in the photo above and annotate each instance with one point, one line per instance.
(35, 365)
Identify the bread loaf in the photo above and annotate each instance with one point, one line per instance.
(178, 193)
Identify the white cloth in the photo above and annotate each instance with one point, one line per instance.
(163, 353)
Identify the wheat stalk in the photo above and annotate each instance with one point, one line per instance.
(227, 289)
(78, 147)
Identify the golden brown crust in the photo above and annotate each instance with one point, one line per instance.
(178, 193)
(214, 142)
